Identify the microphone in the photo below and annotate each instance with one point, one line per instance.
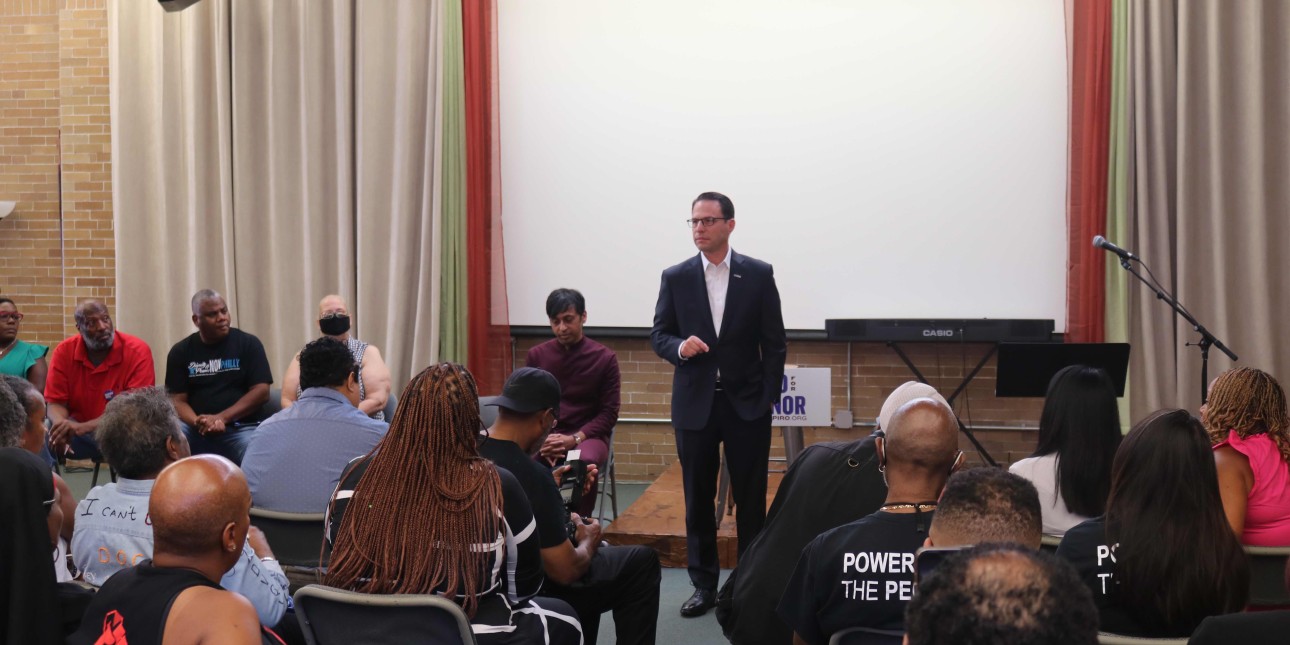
(1101, 243)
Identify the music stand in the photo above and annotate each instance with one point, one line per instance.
(1024, 369)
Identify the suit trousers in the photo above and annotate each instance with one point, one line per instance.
(747, 446)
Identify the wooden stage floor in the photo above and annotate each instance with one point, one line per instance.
(657, 519)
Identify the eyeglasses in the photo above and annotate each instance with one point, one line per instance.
(333, 314)
(705, 221)
(13, 317)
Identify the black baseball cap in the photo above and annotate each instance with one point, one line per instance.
(528, 390)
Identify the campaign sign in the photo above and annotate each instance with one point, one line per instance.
(805, 398)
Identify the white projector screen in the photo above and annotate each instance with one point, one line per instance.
(891, 159)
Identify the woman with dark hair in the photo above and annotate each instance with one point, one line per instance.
(20, 358)
(424, 513)
(1079, 431)
(1249, 425)
(1163, 557)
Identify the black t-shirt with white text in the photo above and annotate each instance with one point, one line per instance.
(215, 376)
(856, 575)
(544, 496)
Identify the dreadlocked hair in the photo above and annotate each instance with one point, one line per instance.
(1251, 402)
(426, 501)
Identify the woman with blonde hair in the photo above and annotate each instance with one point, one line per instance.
(423, 513)
(1249, 427)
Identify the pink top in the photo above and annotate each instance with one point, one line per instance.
(1267, 515)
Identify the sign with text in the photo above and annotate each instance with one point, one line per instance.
(805, 398)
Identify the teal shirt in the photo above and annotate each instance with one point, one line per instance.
(20, 358)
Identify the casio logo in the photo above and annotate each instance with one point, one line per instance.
(939, 333)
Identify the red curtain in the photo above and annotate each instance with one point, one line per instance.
(1090, 117)
(488, 328)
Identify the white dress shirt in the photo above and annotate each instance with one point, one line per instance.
(717, 279)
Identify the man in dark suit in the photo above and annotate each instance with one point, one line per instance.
(718, 321)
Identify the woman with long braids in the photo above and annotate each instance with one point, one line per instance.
(1163, 558)
(1249, 425)
(424, 513)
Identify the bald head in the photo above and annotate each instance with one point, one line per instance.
(922, 436)
(193, 504)
(331, 304)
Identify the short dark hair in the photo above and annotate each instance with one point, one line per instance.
(727, 206)
(325, 362)
(562, 299)
(4, 300)
(13, 417)
(133, 430)
(1002, 593)
(989, 505)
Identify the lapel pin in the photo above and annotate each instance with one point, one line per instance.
(736, 275)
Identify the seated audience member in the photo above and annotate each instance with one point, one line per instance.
(31, 437)
(17, 357)
(1163, 557)
(828, 485)
(85, 372)
(592, 578)
(297, 455)
(861, 574)
(1079, 431)
(1249, 426)
(373, 378)
(589, 386)
(218, 379)
(425, 513)
(140, 436)
(1001, 593)
(30, 608)
(982, 505)
(200, 520)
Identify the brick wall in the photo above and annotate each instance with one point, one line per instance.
(1004, 426)
(54, 105)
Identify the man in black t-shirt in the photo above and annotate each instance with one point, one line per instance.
(862, 574)
(592, 577)
(218, 379)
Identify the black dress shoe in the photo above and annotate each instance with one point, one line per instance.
(699, 603)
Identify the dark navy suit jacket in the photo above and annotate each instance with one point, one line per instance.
(749, 352)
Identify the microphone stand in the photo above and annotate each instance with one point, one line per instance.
(1206, 338)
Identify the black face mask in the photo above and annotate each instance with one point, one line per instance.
(334, 326)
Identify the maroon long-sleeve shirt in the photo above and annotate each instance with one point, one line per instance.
(589, 385)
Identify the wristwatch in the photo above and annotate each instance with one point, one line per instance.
(577, 440)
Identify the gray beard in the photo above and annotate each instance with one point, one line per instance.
(96, 346)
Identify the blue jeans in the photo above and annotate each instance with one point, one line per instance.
(230, 444)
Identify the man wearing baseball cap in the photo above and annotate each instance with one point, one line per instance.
(592, 577)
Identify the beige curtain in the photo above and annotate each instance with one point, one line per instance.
(277, 151)
(172, 171)
(293, 167)
(1211, 188)
(399, 154)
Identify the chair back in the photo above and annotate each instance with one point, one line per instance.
(1268, 575)
(867, 636)
(391, 404)
(1049, 543)
(487, 413)
(328, 615)
(1105, 638)
(296, 538)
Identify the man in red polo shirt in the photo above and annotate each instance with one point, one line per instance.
(85, 372)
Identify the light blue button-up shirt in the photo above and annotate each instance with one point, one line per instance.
(113, 532)
(297, 455)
